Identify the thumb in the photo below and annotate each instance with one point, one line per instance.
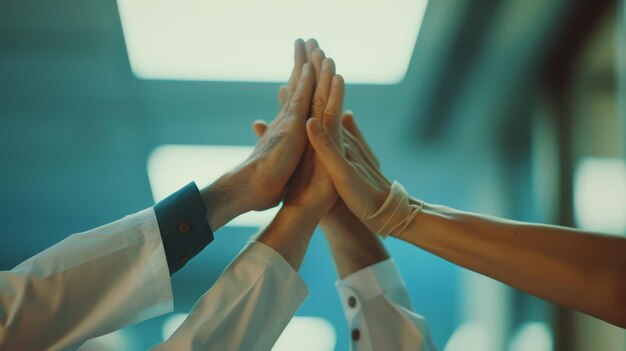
(350, 185)
(259, 127)
(337, 166)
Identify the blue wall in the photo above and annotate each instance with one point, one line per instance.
(76, 129)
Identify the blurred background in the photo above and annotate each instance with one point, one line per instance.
(506, 107)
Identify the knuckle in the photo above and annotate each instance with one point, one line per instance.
(295, 103)
(330, 112)
(318, 103)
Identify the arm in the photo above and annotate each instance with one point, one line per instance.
(375, 300)
(566, 266)
(584, 271)
(96, 282)
(256, 296)
(352, 245)
(87, 285)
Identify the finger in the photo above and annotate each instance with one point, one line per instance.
(328, 152)
(299, 59)
(350, 185)
(350, 140)
(311, 45)
(323, 88)
(300, 102)
(354, 152)
(350, 124)
(365, 169)
(259, 127)
(317, 58)
(282, 94)
(334, 108)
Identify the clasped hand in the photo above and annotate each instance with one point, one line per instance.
(286, 166)
(311, 186)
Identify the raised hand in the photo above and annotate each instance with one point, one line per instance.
(352, 167)
(310, 192)
(260, 181)
(352, 244)
(311, 186)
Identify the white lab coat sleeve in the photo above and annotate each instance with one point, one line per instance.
(87, 285)
(379, 311)
(246, 309)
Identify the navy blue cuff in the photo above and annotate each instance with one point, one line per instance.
(183, 225)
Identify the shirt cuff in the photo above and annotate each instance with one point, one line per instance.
(265, 256)
(382, 278)
(183, 226)
(247, 308)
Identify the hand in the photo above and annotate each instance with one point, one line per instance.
(259, 182)
(311, 186)
(351, 243)
(356, 150)
(354, 170)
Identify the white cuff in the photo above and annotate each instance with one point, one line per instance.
(269, 257)
(382, 278)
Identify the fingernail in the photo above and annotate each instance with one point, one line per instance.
(315, 126)
(305, 68)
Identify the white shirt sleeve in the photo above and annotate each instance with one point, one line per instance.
(246, 309)
(87, 285)
(379, 311)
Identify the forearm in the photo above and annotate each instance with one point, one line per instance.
(290, 232)
(352, 245)
(75, 286)
(579, 270)
(226, 198)
(246, 309)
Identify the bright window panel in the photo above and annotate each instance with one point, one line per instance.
(251, 40)
(600, 195)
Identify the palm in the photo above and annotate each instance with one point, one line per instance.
(311, 185)
(276, 156)
(277, 153)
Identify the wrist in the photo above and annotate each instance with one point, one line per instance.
(225, 199)
(336, 215)
(289, 233)
(317, 207)
(303, 214)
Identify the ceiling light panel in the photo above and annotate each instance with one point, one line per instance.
(251, 40)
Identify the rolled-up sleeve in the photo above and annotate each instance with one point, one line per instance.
(379, 311)
(246, 309)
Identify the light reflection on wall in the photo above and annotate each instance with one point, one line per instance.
(302, 333)
(600, 195)
(171, 167)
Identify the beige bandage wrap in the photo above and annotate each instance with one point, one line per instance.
(395, 214)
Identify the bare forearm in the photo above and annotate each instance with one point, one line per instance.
(352, 245)
(226, 198)
(579, 270)
(290, 233)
